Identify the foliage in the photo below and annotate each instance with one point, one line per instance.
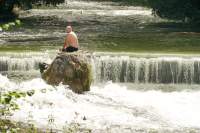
(7, 101)
(7, 126)
(9, 9)
(186, 10)
(10, 25)
(7, 106)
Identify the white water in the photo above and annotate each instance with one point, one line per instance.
(107, 107)
(123, 68)
(146, 70)
(25, 61)
(92, 5)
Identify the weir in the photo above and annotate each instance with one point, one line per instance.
(124, 69)
(147, 70)
(23, 62)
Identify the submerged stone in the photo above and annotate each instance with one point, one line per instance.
(71, 69)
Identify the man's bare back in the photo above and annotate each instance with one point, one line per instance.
(71, 41)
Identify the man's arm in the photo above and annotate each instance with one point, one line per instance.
(65, 43)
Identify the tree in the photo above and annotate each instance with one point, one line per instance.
(8, 7)
(185, 10)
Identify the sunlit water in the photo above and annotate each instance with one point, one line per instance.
(123, 106)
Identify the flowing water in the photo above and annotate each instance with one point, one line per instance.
(131, 92)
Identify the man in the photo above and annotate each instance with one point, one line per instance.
(71, 41)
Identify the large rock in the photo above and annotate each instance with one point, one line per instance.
(70, 69)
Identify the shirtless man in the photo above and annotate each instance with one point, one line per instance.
(71, 41)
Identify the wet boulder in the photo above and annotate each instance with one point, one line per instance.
(69, 68)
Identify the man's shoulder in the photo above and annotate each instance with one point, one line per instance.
(74, 34)
(71, 33)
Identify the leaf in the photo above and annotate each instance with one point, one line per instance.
(7, 99)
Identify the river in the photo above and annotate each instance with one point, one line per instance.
(141, 81)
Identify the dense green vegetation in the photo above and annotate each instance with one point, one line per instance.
(9, 9)
(184, 10)
(8, 105)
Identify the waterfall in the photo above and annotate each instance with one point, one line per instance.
(22, 62)
(121, 68)
(146, 70)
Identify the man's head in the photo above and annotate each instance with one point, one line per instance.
(68, 29)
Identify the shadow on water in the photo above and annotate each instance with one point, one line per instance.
(177, 27)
